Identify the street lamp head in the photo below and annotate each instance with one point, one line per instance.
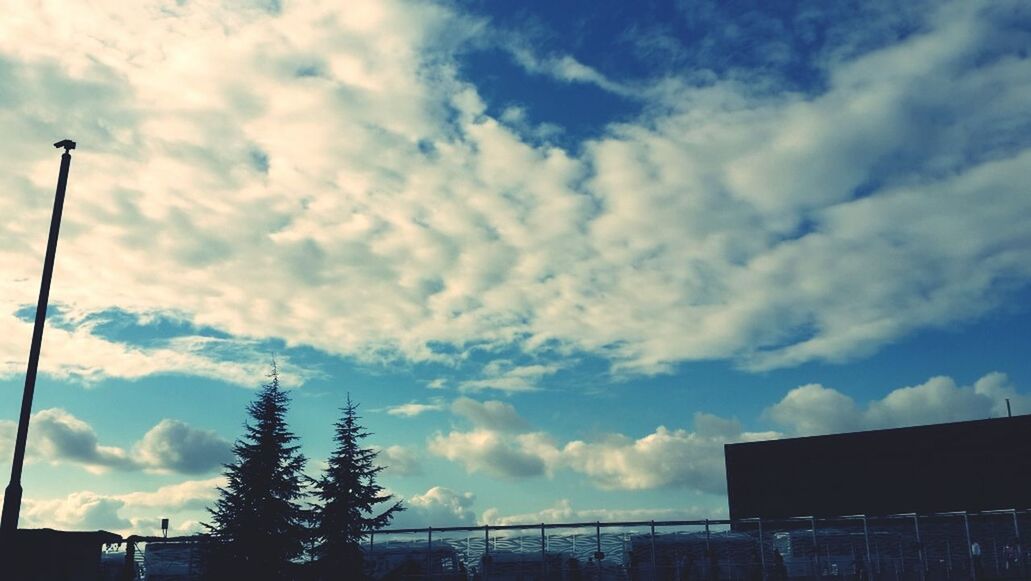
(67, 144)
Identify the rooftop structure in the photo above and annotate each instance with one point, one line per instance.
(962, 466)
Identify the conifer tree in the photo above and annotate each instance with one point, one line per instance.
(258, 520)
(349, 496)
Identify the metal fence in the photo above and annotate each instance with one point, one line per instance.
(901, 547)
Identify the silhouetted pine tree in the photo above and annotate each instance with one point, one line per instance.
(349, 496)
(258, 521)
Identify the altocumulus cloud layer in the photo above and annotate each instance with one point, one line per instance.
(327, 176)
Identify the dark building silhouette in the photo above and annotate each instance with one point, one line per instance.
(971, 466)
(49, 555)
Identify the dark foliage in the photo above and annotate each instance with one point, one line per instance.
(257, 527)
(349, 496)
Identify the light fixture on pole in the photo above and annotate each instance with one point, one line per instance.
(12, 495)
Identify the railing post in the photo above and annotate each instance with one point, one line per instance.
(762, 549)
(129, 572)
(866, 537)
(919, 547)
(429, 552)
(544, 553)
(970, 547)
(816, 549)
(597, 536)
(655, 569)
(948, 559)
(485, 559)
(1020, 549)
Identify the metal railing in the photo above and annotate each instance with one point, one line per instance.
(897, 547)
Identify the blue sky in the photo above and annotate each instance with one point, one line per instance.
(560, 252)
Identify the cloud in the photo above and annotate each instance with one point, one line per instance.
(438, 507)
(693, 459)
(494, 453)
(399, 461)
(503, 375)
(175, 446)
(491, 414)
(665, 458)
(732, 219)
(563, 511)
(815, 409)
(132, 513)
(567, 69)
(412, 409)
(78, 511)
(189, 494)
(73, 351)
(57, 436)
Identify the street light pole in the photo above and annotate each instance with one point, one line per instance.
(12, 495)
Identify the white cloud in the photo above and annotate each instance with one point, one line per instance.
(412, 409)
(175, 446)
(693, 459)
(570, 70)
(490, 414)
(131, 513)
(438, 507)
(503, 375)
(495, 453)
(997, 387)
(79, 354)
(563, 511)
(724, 222)
(399, 461)
(815, 409)
(665, 458)
(57, 436)
(78, 511)
(189, 494)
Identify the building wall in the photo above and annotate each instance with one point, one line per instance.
(973, 466)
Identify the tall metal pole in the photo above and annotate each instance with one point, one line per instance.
(12, 495)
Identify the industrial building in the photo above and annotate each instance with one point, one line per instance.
(963, 466)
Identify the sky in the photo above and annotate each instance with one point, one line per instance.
(559, 252)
